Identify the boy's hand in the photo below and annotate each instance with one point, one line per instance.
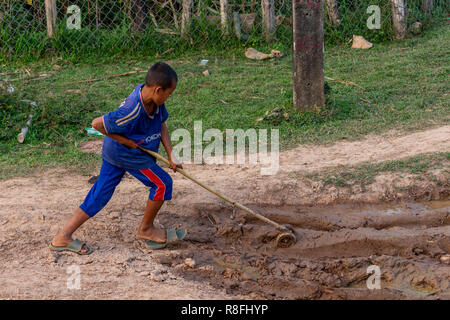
(174, 164)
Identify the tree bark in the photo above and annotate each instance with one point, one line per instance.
(224, 15)
(51, 13)
(333, 12)
(186, 16)
(308, 56)
(268, 13)
(399, 18)
(237, 24)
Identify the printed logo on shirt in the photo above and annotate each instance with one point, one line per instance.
(152, 137)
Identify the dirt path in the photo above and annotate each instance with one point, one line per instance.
(372, 148)
(234, 254)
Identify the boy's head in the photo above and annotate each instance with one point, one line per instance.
(162, 80)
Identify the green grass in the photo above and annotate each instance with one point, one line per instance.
(404, 87)
(363, 175)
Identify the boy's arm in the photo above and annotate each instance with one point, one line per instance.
(97, 124)
(165, 139)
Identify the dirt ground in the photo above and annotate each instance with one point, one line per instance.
(398, 224)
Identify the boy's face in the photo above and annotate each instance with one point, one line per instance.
(160, 95)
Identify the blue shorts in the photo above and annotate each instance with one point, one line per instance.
(158, 180)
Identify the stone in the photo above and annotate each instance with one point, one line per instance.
(254, 54)
(416, 28)
(445, 259)
(360, 43)
(189, 262)
(115, 215)
(158, 275)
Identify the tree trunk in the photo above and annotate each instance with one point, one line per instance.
(51, 13)
(333, 12)
(186, 16)
(399, 16)
(308, 56)
(138, 12)
(224, 15)
(237, 24)
(268, 13)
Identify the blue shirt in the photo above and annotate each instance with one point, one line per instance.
(132, 121)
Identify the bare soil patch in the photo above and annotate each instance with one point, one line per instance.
(229, 254)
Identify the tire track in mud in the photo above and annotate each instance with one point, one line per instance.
(409, 242)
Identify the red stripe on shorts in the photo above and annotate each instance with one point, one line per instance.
(159, 195)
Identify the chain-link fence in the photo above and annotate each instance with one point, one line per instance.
(31, 28)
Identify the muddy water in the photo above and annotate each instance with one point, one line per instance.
(408, 242)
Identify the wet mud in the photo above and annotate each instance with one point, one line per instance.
(409, 242)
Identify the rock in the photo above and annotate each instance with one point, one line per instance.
(360, 43)
(416, 28)
(115, 215)
(158, 275)
(189, 262)
(445, 259)
(254, 54)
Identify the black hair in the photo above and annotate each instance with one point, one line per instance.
(161, 74)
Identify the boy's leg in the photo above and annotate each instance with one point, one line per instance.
(146, 229)
(64, 236)
(99, 195)
(160, 184)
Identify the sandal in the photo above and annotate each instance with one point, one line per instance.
(74, 246)
(172, 236)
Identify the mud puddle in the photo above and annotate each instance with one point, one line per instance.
(231, 250)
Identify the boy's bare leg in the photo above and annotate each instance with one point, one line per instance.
(146, 230)
(64, 237)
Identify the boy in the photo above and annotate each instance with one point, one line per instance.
(139, 120)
